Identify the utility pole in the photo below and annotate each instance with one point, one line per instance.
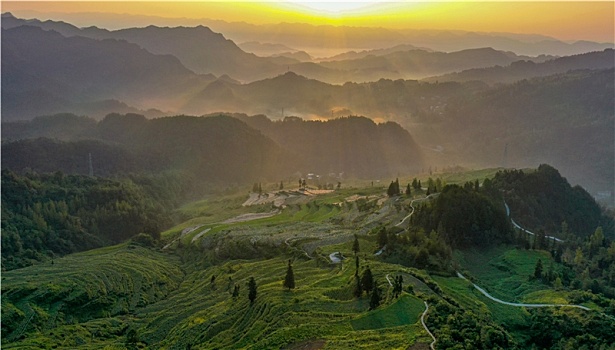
(91, 167)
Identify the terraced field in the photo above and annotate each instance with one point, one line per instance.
(179, 295)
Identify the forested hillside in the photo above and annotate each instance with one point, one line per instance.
(543, 200)
(216, 148)
(47, 216)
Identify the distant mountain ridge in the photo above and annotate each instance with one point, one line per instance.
(523, 69)
(59, 74)
(205, 52)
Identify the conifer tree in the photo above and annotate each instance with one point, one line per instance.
(415, 184)
(289, 280)
(374, 301)
(408, 193)
(355, 245)
(367, 280)
(538, 269)
(236, 291)
(391, 189)
(356, 264)
(252, 289)
(382, 237)
(358, 288)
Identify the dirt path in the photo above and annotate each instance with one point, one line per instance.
(432, 345)
(250, 217)
(411, 206)
(520, 304)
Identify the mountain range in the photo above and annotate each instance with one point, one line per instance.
(53, 67)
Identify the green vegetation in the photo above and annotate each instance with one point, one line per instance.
(51, 215)
(229, 278)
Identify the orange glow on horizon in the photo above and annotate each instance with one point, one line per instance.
(563, 20)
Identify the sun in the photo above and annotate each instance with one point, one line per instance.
(334, 8)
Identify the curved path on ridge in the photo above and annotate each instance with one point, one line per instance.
(411, 206)
(525, 230)
(519, 304)
(422, 318)
(432, 345)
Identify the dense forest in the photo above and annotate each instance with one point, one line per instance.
(50, 215)
(543, 200)
(465, 217)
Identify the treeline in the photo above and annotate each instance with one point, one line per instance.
(543, 199)
(50, 215)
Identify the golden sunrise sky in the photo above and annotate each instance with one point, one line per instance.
(565, 20)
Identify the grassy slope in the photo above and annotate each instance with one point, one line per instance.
(84, 294)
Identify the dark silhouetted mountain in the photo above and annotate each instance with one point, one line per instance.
(526, 69)
(353, 55)
(198, 48)
(355, 146)
(415, 64)
(264, 49)
(215, 148)
(44, 155)
(201, 50)
(521, 44)
(298, 95)
(300, 56)
(45, 72)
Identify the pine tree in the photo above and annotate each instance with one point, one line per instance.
(281, 186)
(356, 264)
(236, 291)
(367, 280)
(358, 289)
(252, 289)
(408, 193)
(538, 270)
(374, 301)
(382, 237)
(391, 189)
(355, 245)
(415, 184)
(289, 280)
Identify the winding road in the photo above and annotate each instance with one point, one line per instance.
(411, 206)
(524, 230)
(422, 318)
(432, 345)
(519, 304)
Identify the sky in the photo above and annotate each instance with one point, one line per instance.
(565, 20)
